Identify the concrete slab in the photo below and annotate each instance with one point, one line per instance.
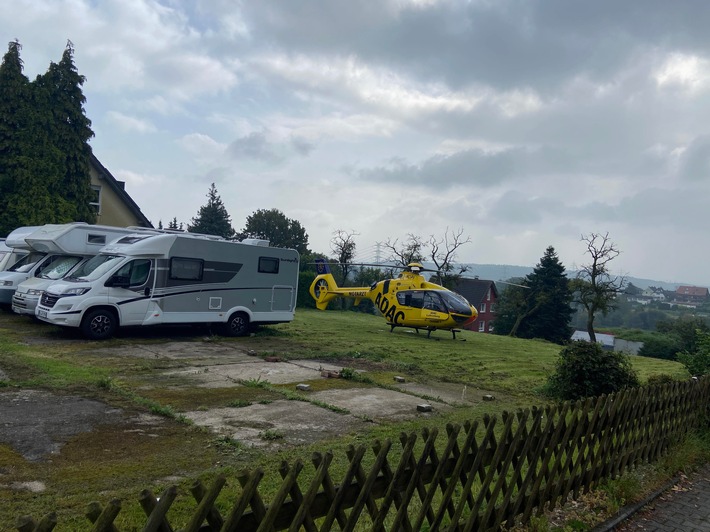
(277, 423)
(223, 375)
(376, 403)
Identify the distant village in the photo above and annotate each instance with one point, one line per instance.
(683, 296)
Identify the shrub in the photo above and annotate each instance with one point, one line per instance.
(584, 369)
(697, 362)
(660, 378)
(661, 346)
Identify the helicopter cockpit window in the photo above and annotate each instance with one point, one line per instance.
(432, 301)
(456, 303)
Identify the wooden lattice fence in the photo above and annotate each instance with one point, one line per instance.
(481, 475)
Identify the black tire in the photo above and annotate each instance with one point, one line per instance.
(99, 324)
(238, 324)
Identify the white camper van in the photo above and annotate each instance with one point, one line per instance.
(153, 279)
(9, 255)
(54, 250)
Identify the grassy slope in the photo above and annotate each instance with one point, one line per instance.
(34, 355)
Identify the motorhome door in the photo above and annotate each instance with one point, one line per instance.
(132, 290)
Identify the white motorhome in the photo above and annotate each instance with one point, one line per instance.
(145, 279)
(8, 254)
(53, 251)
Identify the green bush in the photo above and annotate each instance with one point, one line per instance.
(697, 362)
(661, 346)
(660, 378)
(584, 369)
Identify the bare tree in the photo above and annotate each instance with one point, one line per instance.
(343, 246)
(443, 254)
(440, 250)
(595, 288)
(405, 252)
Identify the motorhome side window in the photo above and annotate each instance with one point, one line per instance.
(268, 265)
(96, 239)
(135, 273)
(186, 269)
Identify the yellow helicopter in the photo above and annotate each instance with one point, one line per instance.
(407, 301)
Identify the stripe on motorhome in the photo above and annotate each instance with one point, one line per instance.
(160, 294)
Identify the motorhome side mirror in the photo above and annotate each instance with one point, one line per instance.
(119, 281)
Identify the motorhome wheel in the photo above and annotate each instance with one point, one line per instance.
(238, 324)
(99, 324)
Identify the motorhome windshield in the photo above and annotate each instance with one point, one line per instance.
(26, 263)
(95, 267)
(59, 267)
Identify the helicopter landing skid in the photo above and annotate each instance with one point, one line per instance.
(429, 331)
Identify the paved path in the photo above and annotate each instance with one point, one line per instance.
(683, 508)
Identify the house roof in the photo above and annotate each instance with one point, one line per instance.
(697, 291)
(475, 290)
(119, 188)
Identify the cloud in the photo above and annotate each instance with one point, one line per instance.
(129, 123)
(254, 146)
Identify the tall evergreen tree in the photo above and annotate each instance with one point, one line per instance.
(274, 226)
(543, 309)
(28, 161)
(70, 131)
(212, 218)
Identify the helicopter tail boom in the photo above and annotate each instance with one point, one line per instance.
(324, 288)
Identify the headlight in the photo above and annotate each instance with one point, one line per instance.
(7, 283)
(76, 291)
(32, 292)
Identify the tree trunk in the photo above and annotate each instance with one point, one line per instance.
(590, 327)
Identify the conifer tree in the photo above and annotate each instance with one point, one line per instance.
(29, 163)
(70, 131)
(541, 307)
(212, 218)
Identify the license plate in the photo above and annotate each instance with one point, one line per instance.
(41, 313)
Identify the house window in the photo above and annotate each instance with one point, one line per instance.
(268, 265)
(481, 326)
(490, 327)
(483, 308)
(96, 198)
(488, 295)
(493, 308)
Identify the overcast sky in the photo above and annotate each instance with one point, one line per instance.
(524, 123)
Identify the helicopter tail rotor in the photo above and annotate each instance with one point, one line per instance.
(323, 289)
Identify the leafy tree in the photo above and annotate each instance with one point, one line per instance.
(541, 307)
(663, 346)
(273, 225)
(595, 288)
(685, 330)
(697, 362)
(584, 369)
(70, 131)
(212, 218)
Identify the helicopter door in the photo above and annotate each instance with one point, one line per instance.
(433, 308)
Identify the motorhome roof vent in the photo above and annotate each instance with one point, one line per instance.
(256, 242)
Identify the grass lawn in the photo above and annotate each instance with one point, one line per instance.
(103, 464)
